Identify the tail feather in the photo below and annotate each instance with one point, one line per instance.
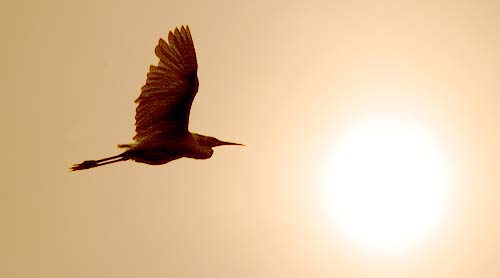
(125, 146)
(87, 164)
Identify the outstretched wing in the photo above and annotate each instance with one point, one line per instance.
(166, 98)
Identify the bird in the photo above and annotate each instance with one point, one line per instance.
(163, 108)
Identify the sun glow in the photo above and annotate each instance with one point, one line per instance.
(385, 185)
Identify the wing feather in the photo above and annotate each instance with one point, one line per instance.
(165, 100)
(167, 56)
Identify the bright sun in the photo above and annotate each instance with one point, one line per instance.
(385, 185)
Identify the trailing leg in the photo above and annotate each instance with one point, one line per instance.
(95, 163)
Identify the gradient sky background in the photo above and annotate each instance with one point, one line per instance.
(283, 77)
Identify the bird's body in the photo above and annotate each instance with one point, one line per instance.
(157, 150)
(162, 114)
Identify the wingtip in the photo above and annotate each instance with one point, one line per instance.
(182, 29)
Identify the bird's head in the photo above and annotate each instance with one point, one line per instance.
(214, 142)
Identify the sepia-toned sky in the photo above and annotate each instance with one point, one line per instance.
(283, 77)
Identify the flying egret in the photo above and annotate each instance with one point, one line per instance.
(162, 113)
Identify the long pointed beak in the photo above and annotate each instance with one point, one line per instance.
(222, 143)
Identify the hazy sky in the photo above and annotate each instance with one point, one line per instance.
(284, 78)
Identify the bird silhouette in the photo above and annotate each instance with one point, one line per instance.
(162, 114)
